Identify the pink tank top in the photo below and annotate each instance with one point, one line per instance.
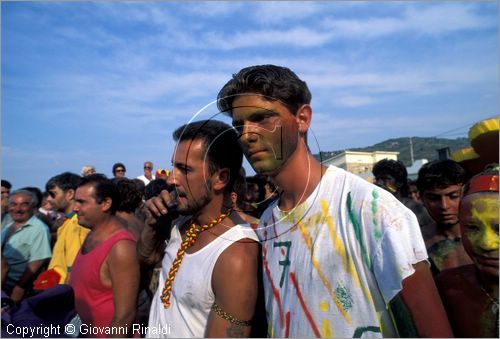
(93, 300)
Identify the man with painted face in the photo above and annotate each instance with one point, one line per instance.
(209, 282)
(440, 184)
(470, 292)
(337, 250)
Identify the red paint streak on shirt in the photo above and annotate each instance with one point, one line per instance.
(304, 307)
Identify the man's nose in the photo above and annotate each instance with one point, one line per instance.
(445, 203)
(171, 179)
(249, 132)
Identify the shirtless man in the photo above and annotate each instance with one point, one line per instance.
(470, 292)
(440, 184)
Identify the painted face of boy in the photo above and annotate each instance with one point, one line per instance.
(479, 226)
(268, 132)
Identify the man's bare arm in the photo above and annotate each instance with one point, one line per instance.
(424, 304)
(30, 273)
(123, 268)
(235, 284)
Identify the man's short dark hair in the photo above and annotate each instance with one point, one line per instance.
(221, 145)
(103, 188)
(440, 174)
(6, 184)
(394, 168)
(275, 83)
(118, 165)
(154, 188)
(129, 196)
(64, 181)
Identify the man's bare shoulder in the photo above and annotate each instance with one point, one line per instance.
(241, 256)
(123, 248)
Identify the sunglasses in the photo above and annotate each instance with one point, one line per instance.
(147, 167)
(120, 170)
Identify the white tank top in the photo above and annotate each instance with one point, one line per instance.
(192, 295)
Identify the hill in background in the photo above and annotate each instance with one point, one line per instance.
(423, 148)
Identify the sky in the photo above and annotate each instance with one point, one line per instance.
(104, 82)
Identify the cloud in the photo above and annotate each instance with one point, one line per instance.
(278, 12)
(420, 19)
(296, 37)
(214, 8)
(348, 100)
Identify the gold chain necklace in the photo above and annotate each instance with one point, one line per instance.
(191, 236)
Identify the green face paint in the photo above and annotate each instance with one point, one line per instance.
(268, 132)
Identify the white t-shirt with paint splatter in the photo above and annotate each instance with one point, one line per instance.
(332, 264)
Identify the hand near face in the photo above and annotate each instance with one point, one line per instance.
(162, 205)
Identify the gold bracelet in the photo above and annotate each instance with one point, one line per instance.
(216, 308)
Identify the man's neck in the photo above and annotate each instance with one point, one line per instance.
(18, 224)
(298, 178)
(69, 209)
(108, 224)
(213, 210)
(449, 231)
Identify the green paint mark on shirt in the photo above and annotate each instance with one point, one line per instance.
(357, 230)
(344, 296)
(285, 263)
(376, 229)
(360, 330)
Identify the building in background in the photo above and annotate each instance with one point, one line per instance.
(359, 163)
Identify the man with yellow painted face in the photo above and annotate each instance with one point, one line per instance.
(337, 250)
(470, 293)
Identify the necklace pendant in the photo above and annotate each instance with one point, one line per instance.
(494, 308)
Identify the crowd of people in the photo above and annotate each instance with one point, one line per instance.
(298, 250)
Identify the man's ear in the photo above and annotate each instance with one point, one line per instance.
(234, 197)
(70, 194)
(303, 117)
(221, 179)
(106, 204)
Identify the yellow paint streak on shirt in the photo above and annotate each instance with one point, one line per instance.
(327, 333)
(324, 279)
(339, 247)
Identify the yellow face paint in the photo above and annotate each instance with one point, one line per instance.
(479, 221)
(482, 232)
